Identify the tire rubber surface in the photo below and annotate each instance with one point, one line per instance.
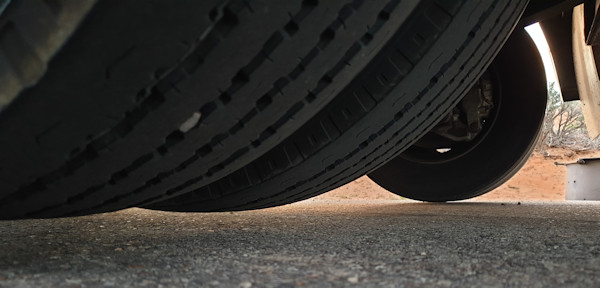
(415, 79)
(31, 32)
(146, 97)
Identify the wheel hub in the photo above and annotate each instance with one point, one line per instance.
(465, 122)
(464, 127)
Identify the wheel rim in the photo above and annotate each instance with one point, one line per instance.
(425, 153)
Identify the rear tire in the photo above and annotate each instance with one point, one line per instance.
(414, 80)
(477, 167)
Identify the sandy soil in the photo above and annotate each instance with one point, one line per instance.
(539, 179)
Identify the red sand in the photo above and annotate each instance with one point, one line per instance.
(539, 179)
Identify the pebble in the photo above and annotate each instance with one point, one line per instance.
(353, 279)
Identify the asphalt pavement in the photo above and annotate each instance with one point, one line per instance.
(312, 244)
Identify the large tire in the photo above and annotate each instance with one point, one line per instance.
(414, 80)
(473, 168)
(145, 96)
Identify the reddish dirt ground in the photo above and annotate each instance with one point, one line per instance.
(539, 179)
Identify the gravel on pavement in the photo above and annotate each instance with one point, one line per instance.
(314, 243)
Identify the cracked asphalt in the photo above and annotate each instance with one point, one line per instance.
(312, 244)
